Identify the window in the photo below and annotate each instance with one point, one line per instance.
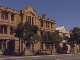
(29, 19)
(6, 16)
(41, 23)
(5, 29)
(32, 21)
(48, 24)
(2, 15)
(3, 44)
(26, 18)
(1, 29)
(12, 17)
(51, 26)
(11, 31)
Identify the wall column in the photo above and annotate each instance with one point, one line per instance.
(49, 25)
(8, 30)
(44, 24)
(0, 14)
(24, 18)
(15, 18)
(34, 20)
(7, 44)
(54, 26)
(9, 16)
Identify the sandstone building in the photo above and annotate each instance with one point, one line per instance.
(10, 18)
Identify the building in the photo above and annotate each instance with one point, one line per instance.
(10, 18)
(65, 47)
(62, 31)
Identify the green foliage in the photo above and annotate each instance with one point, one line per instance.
(26, 31)
(47, 38)
(75, 35)
(57, 38)
(34, 29)
(66, 38)
(19, 30)
(51, 38)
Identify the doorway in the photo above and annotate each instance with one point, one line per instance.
(11, 47)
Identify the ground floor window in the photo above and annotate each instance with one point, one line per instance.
(2, 45)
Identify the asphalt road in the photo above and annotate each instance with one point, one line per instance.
(43, 57)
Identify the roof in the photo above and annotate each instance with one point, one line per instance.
(59, 28)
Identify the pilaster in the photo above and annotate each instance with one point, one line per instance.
(15, 18)
(9, 16)
(34, 19)
(0, 14)
(8, 30)
(44, 24)
(24, 18)
(50, 25)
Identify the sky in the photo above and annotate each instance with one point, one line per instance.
(64, 12)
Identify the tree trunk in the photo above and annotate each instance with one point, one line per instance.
(19, 46)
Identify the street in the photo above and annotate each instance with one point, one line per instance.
(43, 57)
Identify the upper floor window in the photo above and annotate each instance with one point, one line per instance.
(5, 29)
(11, 30)
(51, 25)
(4, 15)
(12, 17)
(29, 19)
(1, 29)
(47, 24)
(41, 23)
(32, 21)
(26, 18)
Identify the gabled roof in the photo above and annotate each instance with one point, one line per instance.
(59, 28)
(30, 7)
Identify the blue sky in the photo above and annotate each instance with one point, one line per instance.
(64, 12)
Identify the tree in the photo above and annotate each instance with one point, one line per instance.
(57, 38)
(30, 33)
(50, 39)
(75, 35)
(19, 32)
(47, 38)
(66, 38)
(26, 32)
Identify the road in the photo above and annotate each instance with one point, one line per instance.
(43, 57)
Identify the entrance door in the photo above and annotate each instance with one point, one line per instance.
(11, 47)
